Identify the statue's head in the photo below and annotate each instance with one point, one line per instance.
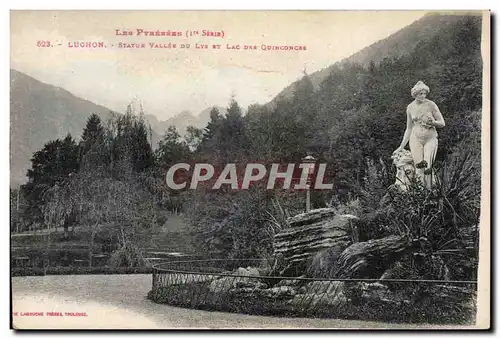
(420, 91)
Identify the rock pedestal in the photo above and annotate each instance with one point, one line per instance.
(310, 233)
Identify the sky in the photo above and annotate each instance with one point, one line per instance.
(168, 81)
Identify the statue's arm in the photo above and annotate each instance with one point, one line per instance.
(409, 126)
(438, 117)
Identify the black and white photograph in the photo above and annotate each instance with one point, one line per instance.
(253, 169)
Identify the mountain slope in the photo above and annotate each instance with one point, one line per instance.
(403, 42)
(182, 120)
(39, 113)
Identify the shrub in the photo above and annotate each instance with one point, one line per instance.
(238, 224)
(444, 218)
(128, 255)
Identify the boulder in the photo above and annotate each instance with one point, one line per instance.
(224, 284)
(243, 290)
(248, 272)
(251, 290)
(282, 292)
(371, 258)
(321, 293)
(251, 272)
(396, 271)
(377, 292)
(323, 263)
(310, 233)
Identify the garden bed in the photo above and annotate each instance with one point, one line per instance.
(245, 291)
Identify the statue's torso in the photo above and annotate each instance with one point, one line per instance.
(419, 114)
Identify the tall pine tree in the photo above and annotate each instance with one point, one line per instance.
(209, 148)
(92, 148)
(234, 138)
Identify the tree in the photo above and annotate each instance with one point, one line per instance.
(102, 201)
(209, 147)
(93, 133)
(18, 206)
(193, 137)
(171, 149)
(234, 138)
(142, 151)
(59, 207)
(213, 126)
(54, 163)
(128, 138)
(93, 150)
(261, 130)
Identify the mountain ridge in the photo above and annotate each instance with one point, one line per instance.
(401, 42)
(40, 112)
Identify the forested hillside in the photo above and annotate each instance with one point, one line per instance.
(433, 26)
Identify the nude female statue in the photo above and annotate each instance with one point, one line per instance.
(422, 119)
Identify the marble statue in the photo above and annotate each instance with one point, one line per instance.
(405, 169)
(423, 118)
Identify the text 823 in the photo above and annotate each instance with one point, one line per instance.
(43, 43)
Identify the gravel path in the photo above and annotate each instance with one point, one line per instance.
(119, 301)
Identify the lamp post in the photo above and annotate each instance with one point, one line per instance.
(310, 161)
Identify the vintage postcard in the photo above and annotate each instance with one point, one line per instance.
(249, 169)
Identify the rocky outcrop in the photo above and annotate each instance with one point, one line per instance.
(310, 233)
(371, 258)
(323, 263)
(239, 280)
